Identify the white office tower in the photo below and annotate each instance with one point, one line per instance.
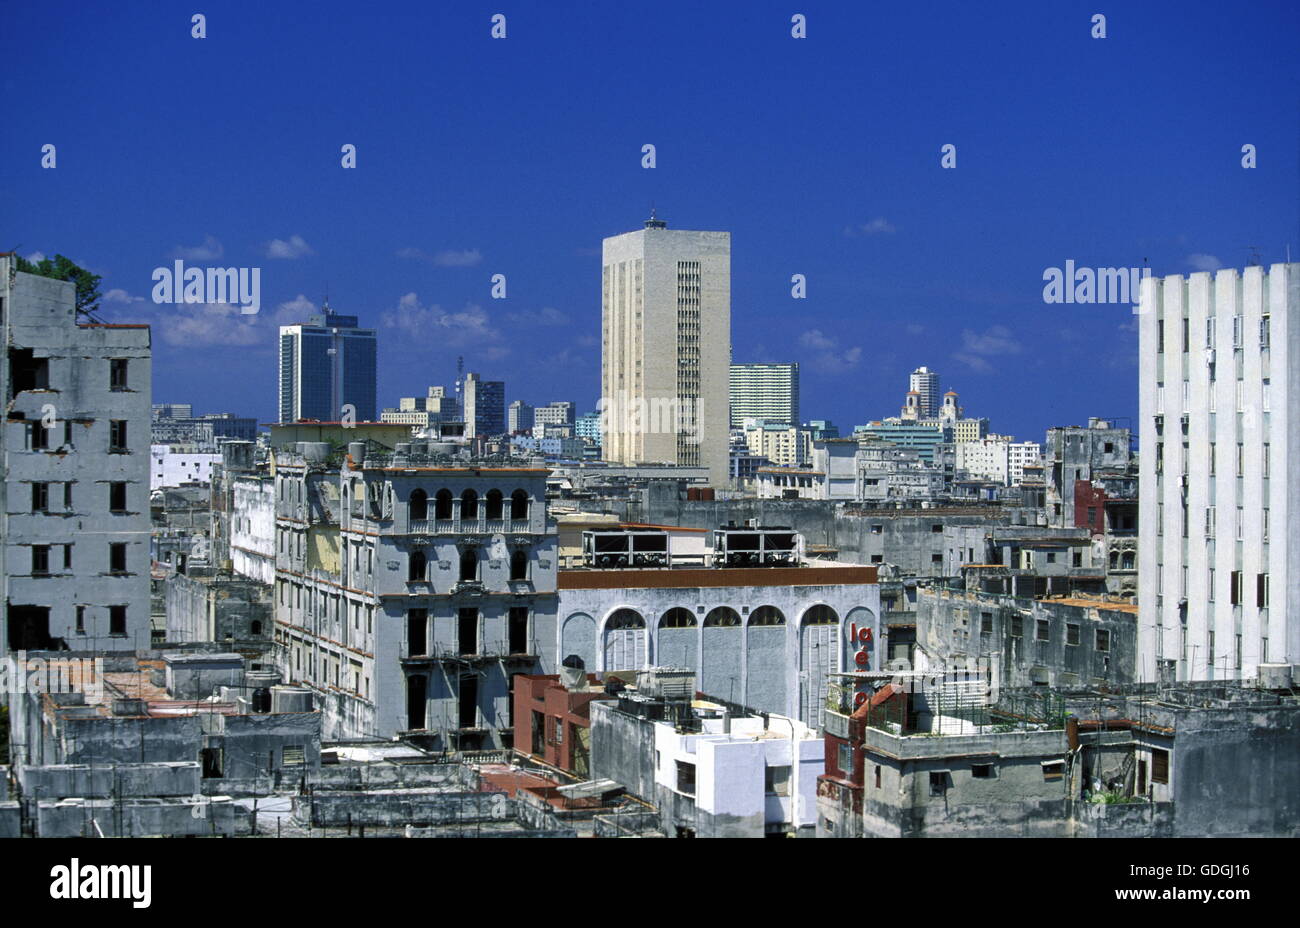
(765, 391)
(1219, 563)
(666, 347)
(925, 383)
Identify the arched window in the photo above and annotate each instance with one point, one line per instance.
(820, 615)
(625, 618)
(766, 615)
(442, 505)
(519, 565)
(519, 504)
(469, 564)
(1128, 560)
(469, 506)
(722, 617)
(677, 617)
(494, 504)
(419, 506)
(415, 567)
(255, 628)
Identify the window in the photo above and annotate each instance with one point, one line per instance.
(1209, 521)
(1103, 639)
(938, 782)
(117, 496)
(1160, 336)
(294, 755)
(1071, 633)
(1264, 461)
(1187, 339)
(417, 634)
(67, 557)
(981, 771)
(81, 620)
(844, 759)
(1235, 585)
(1241, 459)
(416, 567)
(468, 564)
(1261, 590)
(877, 776)
(1051, 557)
(519, 565)
(40, 497)
(117, 436)
(40, 560)
(117, 621)
(877, 529)
(1236, 331)
(937, 529)
(1053, 770)
(67, 495)
(1044, 630)
(1017, 626)
(936, 558)
(1160, 764)
(986, 623)
(117, 374)
(40, 436)
(776, 781)
(1264, 331)
(685, 778)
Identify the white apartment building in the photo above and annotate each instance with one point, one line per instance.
(997, 458)
(666, 348)
(1219, 557)
(765, 391)
(925, 383)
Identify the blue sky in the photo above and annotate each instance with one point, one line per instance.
(821, 156)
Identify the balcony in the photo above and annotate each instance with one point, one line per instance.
(468, 527)
(488, 652)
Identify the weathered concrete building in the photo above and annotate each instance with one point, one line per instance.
(1028, 642)
(411, 587)
(204, 605)
(764, 636)
(1196, 760)
(74, 472)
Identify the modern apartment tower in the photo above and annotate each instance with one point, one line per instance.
(666, 347)
(1219, 555)
(74, 472)
(764, 391)
(925, 383)
(327, 365)
(485, 406)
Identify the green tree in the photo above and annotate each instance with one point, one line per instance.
(61, 268)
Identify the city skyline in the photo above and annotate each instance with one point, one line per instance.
(906, 263)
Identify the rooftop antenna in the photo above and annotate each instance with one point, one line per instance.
(460, 372)
(654, 222)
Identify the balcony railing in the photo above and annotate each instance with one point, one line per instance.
(468, 526)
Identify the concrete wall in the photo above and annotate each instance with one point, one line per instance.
(401, 807)
(63, 781)
(623, 750)
(140, 818)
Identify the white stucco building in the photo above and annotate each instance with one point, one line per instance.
(1219, 556)
(169, 467)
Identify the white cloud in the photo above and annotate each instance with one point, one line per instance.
(466, 258)
(977, 348)
(36, 257)
(210, 250)
(878, 226)
(295, 247)
(470, 325)
(546, 316)
(830, 359)
(449, 258)
(118, 295)
(1202, 262)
